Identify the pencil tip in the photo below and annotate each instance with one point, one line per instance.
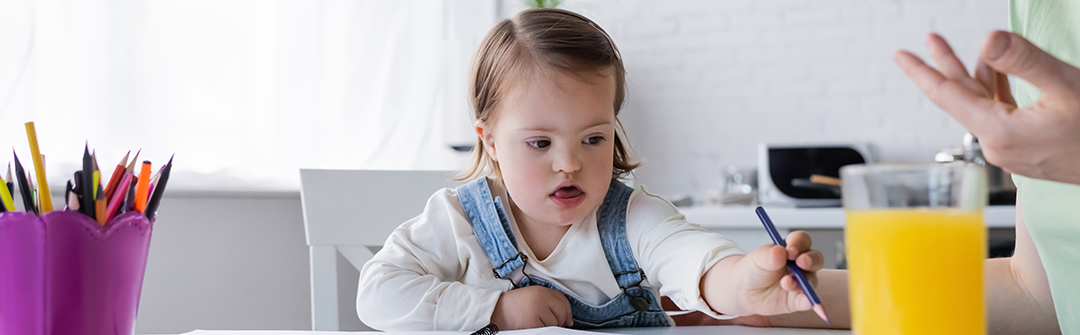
(820, 310)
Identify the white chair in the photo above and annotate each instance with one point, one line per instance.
(348, 211)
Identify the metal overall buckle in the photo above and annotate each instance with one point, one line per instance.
(524, 262)
(639, 302)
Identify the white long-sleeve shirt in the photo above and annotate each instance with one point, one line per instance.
(432, 274)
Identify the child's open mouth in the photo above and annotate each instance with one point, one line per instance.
(568, 196)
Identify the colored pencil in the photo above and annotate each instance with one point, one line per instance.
(67, 195)
(159, 190)
(5, 196)
(87, 203)
(99, 206)
(796, 272)
(39, 168)
(117, 176)
(76, 190)
(142, 190)
(97, 174)
(131, 166)
(73, 201)
(118, 198)
(154, 180)
(24, 186)
(129, 200)
(33, 192)
(10, 182)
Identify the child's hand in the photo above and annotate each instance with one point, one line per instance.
(759, 283)
(766, 286)
(532, 307)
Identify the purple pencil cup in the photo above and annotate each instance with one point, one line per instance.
(64, 274)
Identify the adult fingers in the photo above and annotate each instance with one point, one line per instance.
(925, 77)
(946, 59)
(986, 77)
(1011, 53)
(798, 242)
(955, 99)
(1004, 92)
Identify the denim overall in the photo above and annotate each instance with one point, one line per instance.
(636, 306)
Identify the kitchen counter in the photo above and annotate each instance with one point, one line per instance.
(825, 226)
(728, 217)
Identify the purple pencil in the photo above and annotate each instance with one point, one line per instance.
(796, 272)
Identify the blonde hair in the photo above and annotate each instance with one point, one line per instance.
(553, 38)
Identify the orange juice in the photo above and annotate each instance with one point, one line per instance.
(916, 271)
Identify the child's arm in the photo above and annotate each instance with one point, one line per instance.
(416, 280)
(399, 294)
(832, 288)
(759, 283)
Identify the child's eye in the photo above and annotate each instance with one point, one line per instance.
(539, 144)
(594, 140)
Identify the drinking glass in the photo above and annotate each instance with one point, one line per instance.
(916, 242)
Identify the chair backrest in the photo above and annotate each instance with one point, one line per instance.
(362, 207)
(346, 211)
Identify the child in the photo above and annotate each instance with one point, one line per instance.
(544, 234)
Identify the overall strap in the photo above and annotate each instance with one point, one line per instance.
(491, 226)
(612, 228)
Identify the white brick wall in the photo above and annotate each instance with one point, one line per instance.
(711, 79)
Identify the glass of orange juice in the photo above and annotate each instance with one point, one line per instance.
(916, 242)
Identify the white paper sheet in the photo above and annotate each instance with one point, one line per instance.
(707, 330)
(534, 331)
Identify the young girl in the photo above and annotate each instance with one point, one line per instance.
(543, 234)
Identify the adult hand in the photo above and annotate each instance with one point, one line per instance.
(532, 307)
(1041, 141)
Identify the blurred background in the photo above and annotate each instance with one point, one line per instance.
(246, 92)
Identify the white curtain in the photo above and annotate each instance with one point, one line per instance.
(245, 92)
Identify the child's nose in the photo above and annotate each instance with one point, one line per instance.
(567, 160)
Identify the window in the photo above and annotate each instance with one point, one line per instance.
(244, 92)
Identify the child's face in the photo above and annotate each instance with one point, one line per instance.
(554, 141)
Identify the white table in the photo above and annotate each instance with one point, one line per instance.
(724, 330)
(705, 330)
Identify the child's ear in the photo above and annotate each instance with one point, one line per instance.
(487, 138)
